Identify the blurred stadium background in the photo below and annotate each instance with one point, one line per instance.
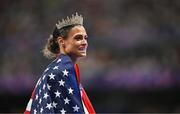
(133, 62)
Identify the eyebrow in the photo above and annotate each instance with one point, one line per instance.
(80, 35)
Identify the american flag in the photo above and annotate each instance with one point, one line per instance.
(59, 90)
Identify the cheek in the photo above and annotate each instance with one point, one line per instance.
(68, 46)
(77, 44)
(71, 46)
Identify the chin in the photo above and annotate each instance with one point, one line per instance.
(82, 55)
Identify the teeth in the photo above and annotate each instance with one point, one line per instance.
(82, 48)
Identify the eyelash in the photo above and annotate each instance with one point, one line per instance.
(79, 37)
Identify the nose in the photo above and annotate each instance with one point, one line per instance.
(84, 42)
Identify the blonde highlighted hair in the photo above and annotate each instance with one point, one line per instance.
(47, 49)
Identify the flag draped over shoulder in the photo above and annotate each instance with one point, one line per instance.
(59, 90)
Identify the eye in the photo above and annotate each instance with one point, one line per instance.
(86, 37)
(78, 37)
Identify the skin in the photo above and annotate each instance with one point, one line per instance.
(76, 43)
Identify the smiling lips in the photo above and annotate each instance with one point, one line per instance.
(82, 48)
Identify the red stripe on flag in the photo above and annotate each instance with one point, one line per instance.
(27, 112)
(77, 73)
(87, 102)
(85, 98)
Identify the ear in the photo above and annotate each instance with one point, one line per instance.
(61, 41)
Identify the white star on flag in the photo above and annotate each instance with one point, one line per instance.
(44, 76)
(65, 72)
(35, 111)
(59, 60)
(41, 110)
(54, 104)
(70, 90)
(76, 108)
(51, 76)
(63, 111)
(46, 95)
(61, 82)
(39, 91)
(49, 106)
(57, 93)
(49, 87)
(55, 68)
(36, 97)
(46, 69)
(40, 101)
(66, 101)
(44, 86)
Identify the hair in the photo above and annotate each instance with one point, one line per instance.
(52, 49)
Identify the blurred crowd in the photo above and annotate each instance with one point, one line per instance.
(133, 44)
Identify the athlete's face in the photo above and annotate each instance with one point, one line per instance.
(76, 44)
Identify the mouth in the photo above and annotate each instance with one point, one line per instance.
(83, 49)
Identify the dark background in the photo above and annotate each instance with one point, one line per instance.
(133, 62)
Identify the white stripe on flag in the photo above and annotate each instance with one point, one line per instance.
(28, 108)
(85, 109)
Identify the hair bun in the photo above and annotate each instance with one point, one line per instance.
(51, 49)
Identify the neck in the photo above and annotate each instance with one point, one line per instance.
(74, 59)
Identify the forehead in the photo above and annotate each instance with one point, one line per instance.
(77, 30)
